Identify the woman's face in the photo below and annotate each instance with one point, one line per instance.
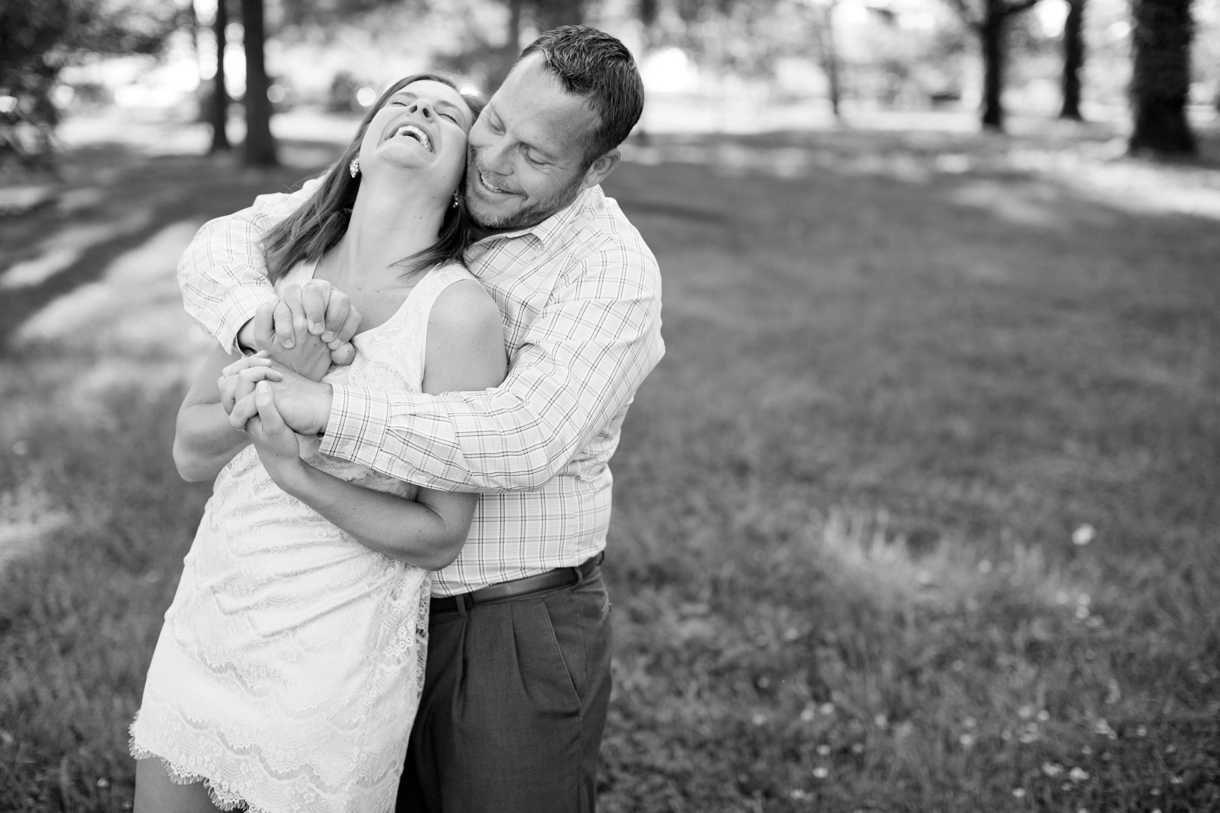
(421, 128)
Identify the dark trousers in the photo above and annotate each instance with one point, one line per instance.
(513, 707)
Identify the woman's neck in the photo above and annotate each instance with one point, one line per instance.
(387, 226)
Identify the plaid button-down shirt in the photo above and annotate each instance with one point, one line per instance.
(580, 294)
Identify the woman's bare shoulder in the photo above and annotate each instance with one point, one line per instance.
(464, 305)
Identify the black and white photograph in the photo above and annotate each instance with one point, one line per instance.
(635, 406)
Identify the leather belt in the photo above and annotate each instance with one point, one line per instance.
(516, 588)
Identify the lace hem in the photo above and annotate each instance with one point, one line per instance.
(221, 796)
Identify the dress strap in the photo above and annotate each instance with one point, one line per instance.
(426, 292)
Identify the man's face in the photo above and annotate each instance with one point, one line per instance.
(526, 153)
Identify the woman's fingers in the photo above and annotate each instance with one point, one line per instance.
(259, 359)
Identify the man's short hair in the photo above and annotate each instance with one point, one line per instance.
(595, 65)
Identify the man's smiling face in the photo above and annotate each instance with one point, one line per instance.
(527, 150)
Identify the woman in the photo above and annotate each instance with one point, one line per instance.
(289, 667)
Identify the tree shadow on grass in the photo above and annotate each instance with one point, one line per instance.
(114, 201)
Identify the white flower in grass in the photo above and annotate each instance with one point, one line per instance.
(857, 748)
(1065, 787)
(985, 566)
(969, 722)
(1018, 793)
(1052, 768)
(1082, 612)
(1078, 774)
(1043, 716)
(1141, 731)
(821, 772)
(966, 740)
(103, 782)
(798, 794)
(1086, 750)
(881, 721)
(823, 750)
(1025, 712)
(1175, 780)
(1103, 728)
(759, 718)
(807, 714)
(1094, 621)
(827, 709)
(1084, 534)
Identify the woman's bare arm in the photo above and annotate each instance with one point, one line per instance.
(465, 351)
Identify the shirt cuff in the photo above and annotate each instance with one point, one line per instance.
(238, 308)
(357, 424)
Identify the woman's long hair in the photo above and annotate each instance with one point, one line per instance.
(321, 221)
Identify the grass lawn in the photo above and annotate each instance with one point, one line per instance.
(919, 512)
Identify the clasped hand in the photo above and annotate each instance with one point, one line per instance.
(302, 405)
(308, 329)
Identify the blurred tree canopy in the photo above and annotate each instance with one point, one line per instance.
(39, 38)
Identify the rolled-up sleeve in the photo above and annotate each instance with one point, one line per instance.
(222, 274)
(583, 357)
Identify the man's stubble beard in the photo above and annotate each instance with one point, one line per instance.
(522, 218)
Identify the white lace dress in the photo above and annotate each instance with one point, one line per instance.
(289, 668)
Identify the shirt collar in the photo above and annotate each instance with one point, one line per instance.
(546, 231)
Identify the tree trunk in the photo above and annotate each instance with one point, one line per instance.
(1160, 78)
(1073, 60)
(830, 58)
(219, 112)
(991, 39)
(260, 144)
(512, 47)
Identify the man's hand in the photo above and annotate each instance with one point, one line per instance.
(312, 309)
(276, 444)
(308, 355)
(239, 379)
(303, 405)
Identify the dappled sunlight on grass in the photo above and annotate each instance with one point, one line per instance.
(1031, 180)
(129, 320)
(66, 246)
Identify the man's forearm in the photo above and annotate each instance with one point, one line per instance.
(222, 273)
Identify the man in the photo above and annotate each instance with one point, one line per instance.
(518, 678)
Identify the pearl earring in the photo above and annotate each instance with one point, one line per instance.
(456, 202)
(354, 167)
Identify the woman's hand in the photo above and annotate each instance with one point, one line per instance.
(277, 445)
(237, 380)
